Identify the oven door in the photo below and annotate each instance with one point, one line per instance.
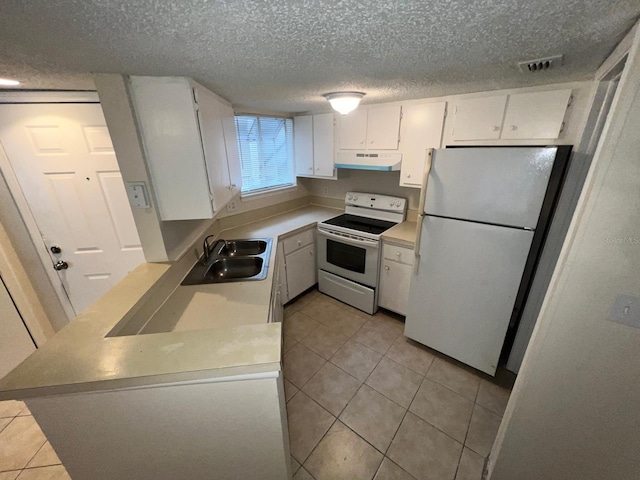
(351, 257)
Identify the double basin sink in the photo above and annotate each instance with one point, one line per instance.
(232, 261)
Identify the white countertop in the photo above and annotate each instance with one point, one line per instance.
(402, 234)
(222, 330)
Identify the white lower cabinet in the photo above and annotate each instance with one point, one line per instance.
(300, 268)
(395, 277)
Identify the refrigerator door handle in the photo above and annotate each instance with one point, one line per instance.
(423, 194)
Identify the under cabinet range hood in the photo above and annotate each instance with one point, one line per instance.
(383, 162)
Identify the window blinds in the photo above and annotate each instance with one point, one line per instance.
(266, 152)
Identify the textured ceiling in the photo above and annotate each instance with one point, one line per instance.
(283, 54)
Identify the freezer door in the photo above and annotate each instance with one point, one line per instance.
(461, 300)
(503, 186)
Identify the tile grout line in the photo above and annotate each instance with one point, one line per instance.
(384, 355)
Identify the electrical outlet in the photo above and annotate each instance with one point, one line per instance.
(626, 310)
(231, 206)
(325, 190)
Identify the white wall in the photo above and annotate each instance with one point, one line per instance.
(24, 273)
(385, 183)
(223, 430)
(575, 410)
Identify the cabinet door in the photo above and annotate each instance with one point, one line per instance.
(301, 270)
(536, 115)
(231, 143)
(421, 129)
(303, 144)
(395, 279)
(383, 127)
(478, 118)
(169, 129)
(323, 145)
(213, 143)
(352, 130)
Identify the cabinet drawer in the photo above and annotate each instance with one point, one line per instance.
(297, 241)
(399, 254)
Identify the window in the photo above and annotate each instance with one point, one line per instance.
(266, 152)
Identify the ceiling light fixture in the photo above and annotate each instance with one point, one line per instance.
(7, 82)
(344, 102)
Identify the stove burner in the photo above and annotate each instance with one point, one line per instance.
(362, 224)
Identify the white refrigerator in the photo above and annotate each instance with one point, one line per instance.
(478, 215)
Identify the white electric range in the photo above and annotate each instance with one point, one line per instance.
(349, 248)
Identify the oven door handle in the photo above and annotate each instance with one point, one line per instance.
(349, 240)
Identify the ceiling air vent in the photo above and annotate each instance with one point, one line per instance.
(540, 64)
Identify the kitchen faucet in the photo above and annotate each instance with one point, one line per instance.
(206, 248)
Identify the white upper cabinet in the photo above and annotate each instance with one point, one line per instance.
(215, 150)
(313, 145)
(323, 128)
(352, 130)
(231, 145)
(479, 118)
(188, 133)
(383, 127)
(535, 115)
(303, 144)
(521, 116)
(421, 130)
(373, 128)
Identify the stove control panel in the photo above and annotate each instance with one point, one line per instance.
(376, 202)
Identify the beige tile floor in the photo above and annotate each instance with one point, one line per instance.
(25, 453)
(364, 402)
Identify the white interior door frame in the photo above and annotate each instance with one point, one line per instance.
(34, 232)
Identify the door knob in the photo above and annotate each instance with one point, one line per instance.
(55, 249)
(60, 265)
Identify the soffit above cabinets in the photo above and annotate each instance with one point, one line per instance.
(284, 55)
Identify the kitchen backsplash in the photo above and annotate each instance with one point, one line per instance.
(385, 183)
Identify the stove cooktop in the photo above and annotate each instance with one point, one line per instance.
(361, 224)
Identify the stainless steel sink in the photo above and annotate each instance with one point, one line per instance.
(232, 261)
(239, 248)
(238, 267)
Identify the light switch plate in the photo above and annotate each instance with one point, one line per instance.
(626, 310)
(137, 193)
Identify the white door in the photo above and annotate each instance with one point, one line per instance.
(15, 342)
(64, 161)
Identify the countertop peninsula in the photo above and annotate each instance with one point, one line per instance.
(226, 331)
